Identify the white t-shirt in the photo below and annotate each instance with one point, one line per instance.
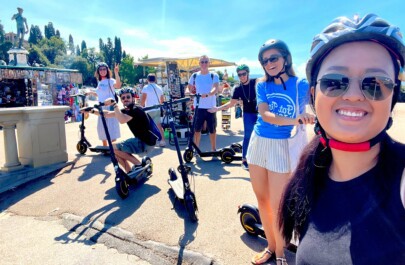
(105, 89)
(152, 98)
(204, 84)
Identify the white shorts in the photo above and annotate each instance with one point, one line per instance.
(268, 153)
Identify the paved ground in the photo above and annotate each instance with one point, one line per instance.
(57, 219)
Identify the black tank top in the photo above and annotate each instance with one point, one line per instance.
(357, 222)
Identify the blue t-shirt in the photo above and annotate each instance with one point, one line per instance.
(282, 103)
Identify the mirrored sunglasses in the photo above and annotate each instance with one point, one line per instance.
(272, 59)
(373, 87)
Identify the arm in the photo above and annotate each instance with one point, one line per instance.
(143, 99)
(228, 105)
(26, 25)
(192, 89)
(272, 118)
(118, 83)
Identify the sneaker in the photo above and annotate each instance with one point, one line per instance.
(134, 167)
(245, 165)
(162, 144)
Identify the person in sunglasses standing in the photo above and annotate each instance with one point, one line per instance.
(151, 95)
(247, 93)
(346, 201)
(106, 89)
(268, 152)
(206, 84)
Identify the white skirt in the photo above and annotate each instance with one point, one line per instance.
(113, 128)
(272, 154)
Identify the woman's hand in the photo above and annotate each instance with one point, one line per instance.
(305, 118)
(116, 68)
(213, 110)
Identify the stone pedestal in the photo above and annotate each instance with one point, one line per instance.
(18, 57)
(41, 136)
(10, 148)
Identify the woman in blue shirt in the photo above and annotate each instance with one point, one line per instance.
(268, 153)
(346, 201)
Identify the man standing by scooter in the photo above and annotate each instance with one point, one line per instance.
(137, 121)
(205, 84)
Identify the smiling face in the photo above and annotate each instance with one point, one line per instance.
(351, 117)
(126, 99)
(273, 62)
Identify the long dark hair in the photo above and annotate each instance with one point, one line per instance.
(310, 176)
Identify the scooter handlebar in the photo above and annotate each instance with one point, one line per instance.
(181, 100)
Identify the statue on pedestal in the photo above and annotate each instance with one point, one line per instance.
(21, 30)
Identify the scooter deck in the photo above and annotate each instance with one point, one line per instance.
(178, 188)
(100, 149)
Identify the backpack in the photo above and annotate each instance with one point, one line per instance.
(154, 132)
(195, 76)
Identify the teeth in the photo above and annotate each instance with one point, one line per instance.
(351, 113)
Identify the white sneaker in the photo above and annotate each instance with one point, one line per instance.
(162, 144)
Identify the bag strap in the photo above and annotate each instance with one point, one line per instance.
(155, 93)
(112, 91)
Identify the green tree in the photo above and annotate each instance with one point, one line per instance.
(81, 64)
(35, 55)
(52, 47)
(124, 54)
(57, 34)
(127, 70)
(117, 50)
(35, 35)
(108, 53)
(78, 52)
(71, 45)
(64, 61)
(83, 46)
(49, 31)
(2, 33)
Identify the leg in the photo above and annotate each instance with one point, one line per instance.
(197, 137)
(124, 157)
(260, 184)
(198, 124)
(277, 182)
(249, 120)
(211, 119)
(162, 132)
(104, 142)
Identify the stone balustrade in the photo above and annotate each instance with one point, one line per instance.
(33, 136)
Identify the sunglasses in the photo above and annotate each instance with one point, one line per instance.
(126, 97)
(272, 59)
(242, 74)
(203, 61)
(102, 69)
(373, 87)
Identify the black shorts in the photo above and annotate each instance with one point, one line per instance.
(203, 115)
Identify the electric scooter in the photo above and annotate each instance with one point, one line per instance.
(181, 186)
(227, 154)
(83, 143)
(252, 224)
(122, 179)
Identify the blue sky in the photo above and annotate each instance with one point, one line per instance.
(228, 30)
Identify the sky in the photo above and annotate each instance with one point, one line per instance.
(227, 30)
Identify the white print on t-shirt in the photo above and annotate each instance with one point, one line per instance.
(282, 105)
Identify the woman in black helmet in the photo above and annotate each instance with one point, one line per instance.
(278, 93)
(345, 203)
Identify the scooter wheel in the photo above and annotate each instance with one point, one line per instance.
(188, 155)
(147, 161)
(122, 187)
(237, 148)
(227, 155)
(249, 219)
(81, 148)
(191, 207)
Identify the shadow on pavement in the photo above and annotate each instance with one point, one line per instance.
(189, 227)
(114, 213)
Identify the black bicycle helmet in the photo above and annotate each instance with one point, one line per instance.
(343, 30)
(126, 90)
(279, 45)
(242, 67)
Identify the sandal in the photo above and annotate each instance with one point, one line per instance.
(282, 260)
(261, 255)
